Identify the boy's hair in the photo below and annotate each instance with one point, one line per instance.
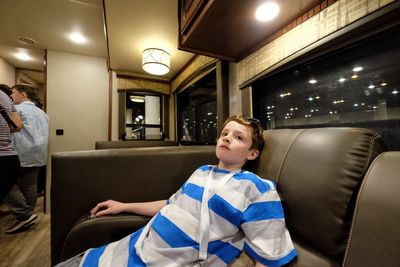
(256, 130)
(30, 93)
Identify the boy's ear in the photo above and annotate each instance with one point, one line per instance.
(253, 154)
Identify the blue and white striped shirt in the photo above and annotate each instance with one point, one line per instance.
(245, 214)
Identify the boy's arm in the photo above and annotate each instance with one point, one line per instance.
(141, 208)
(16, 119)
(260, 264)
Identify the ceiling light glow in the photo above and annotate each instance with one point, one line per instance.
(77, 38)
(267, 11)
(23, 56)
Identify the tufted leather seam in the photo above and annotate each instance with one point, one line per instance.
(371, 144)
(353, 221)
(285, 155)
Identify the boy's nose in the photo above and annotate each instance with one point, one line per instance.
(226, 139)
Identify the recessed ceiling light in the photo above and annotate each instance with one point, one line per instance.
(137, 99)
(356, 69)
(23, 56)
(312, 81)
(267, 11)
(77, 38)
(342, 79)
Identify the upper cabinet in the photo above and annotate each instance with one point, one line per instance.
(188, 11)
(228, 30)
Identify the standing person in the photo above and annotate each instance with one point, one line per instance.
(9, 162)
(31, 145)
(220, 211)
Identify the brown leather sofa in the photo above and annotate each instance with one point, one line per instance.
(133, 143)
(341, 210)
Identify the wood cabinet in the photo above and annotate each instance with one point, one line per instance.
(188, 11)
(228, 29)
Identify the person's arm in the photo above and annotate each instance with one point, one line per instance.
(115, 207)
(16, 119)
(260, 264)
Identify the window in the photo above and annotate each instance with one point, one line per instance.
(357, 86)
(143, 116)
(197, 109)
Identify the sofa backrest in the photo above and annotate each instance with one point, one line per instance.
(81, 179)
(133, 143)
(375, 233)
(318, 173)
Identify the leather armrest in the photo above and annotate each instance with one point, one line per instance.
(94, 232)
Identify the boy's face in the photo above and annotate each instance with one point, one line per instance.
(17, 97)
(233, 146)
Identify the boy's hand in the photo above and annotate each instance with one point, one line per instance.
(107, 207)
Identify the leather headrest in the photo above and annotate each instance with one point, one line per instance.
(318, 172)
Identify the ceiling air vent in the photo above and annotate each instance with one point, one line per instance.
(26, 40)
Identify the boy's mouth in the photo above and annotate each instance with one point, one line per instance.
(224, 146)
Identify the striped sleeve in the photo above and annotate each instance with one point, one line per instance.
(266, 238)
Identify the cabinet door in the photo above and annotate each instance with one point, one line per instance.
(188, 12)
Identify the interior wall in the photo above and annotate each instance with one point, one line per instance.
(7, 73)
(77, 103)
(77, 95)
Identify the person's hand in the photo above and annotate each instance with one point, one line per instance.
(107, 207)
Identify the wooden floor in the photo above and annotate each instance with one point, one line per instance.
(30, 248)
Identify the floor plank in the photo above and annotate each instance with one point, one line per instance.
(30, 248)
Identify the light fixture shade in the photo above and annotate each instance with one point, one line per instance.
(156, 61)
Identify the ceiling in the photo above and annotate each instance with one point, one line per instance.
(131, 27)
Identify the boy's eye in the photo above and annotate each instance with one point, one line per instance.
(238, 137)
(224, 134)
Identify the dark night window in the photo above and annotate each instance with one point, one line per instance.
(197, 109)
(357, 86)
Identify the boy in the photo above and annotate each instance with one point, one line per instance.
(31, 146)
(217, 213)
